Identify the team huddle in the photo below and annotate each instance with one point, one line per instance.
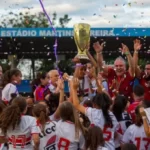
(103, 110)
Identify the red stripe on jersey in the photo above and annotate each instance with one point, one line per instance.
(5, 101)
(69, 122)
(19, 140)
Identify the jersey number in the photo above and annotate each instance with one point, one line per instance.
(144, 140)
(21, 139)
(107, 133)
(63, 143)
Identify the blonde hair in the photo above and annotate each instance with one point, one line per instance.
(71, 115)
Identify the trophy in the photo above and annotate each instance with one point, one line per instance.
(82, 40)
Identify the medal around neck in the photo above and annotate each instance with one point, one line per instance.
(82, 40)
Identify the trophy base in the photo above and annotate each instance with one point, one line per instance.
(83, 59)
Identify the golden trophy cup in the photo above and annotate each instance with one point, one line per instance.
(82, 40)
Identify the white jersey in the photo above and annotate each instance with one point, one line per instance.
(52, 88)
(48, 138)
(124, 122)
(137, 136)
(7, 91)
(96, 117)
(84, 91)
(65, 136)
(21, 137)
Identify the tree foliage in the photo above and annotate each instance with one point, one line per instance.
(28, 20)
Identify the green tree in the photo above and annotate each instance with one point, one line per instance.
(28, 20)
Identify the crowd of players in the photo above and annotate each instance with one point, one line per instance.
(104, 109)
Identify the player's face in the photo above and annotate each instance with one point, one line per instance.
(147, 70)
(45, 81)
(54, 77)
(89, 69)
(119, 67)
(82, 71)
(17, 78)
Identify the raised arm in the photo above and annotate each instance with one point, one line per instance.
(61, 96)
(74, 84)
(91, 59)
(137, 47)
(98, 49)
(126, 51)
(145, 123)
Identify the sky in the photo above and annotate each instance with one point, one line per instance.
(97, 13)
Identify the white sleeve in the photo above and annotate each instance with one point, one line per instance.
(88, 113)
(127, 136)
(7, 91)
(34, 128)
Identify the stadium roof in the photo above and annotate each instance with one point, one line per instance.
(38, 43)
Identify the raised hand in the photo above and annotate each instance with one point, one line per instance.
(74, 83)
(65, 76)
(98, 47)
(60, 84)
(76, 60)
(137, 45)
(124, 49)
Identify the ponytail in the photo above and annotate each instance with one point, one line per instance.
(11, 115)
(39, 111)
(103, 102)
(78, 125)
(71, 115)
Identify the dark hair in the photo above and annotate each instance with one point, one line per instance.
(7, 76)
(94, 138)
(138, 90)
(103, 101)
(29, 107)
(138, 120)
(68, 113)
(86, 122)
(147, 63)
(128, 146)
(53, 102)
(11, 115)
(37, 81)
(40, 112)
(119, 106)
(2, 106)
(88, 103)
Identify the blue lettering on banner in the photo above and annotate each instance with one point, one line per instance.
(68, 32)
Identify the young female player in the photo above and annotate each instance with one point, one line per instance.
(135, 133)
(99, 115)
(69, 131)
(17, 129)
(94, 139)
(11, 78)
